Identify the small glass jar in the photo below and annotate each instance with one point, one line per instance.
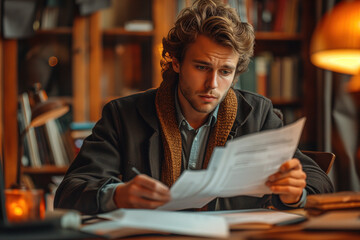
(24, 204)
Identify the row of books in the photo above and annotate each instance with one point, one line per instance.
(274, 77)
(274, 15)
(55, 13)
(50, 144)
(264, 15)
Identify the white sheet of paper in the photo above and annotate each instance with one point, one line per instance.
(137, 221)
(240, 168)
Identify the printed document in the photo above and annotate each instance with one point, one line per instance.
(240, 168)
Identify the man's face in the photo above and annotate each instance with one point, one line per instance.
(205, 76)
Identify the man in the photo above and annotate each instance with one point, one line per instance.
(164, 131)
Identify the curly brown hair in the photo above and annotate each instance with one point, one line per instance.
(215, 20)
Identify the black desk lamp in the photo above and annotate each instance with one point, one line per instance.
(41, 113)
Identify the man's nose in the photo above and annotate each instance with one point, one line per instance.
(212, 80)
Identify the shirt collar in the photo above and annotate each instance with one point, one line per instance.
(180, 117)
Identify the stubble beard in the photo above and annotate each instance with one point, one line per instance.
(187, 95)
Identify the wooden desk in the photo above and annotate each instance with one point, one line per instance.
(292, 232)
(281, 233)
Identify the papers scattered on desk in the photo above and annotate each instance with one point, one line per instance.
(240, 168)
(125, 222)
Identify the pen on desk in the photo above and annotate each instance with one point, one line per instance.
(135, 171)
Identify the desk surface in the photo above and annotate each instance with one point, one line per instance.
(290, 232)
(284, 232)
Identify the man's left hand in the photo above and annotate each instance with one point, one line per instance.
(288, 182)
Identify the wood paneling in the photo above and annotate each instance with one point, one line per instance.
(10, 88)
(95, 66)
(79, 71)
(163, 21)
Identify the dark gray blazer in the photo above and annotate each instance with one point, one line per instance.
(128, 135)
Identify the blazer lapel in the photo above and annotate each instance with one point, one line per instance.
(146, 108)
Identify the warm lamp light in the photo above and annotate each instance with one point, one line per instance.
(335, 44)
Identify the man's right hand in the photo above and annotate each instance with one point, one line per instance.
(141, 192)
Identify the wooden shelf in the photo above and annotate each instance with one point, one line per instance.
(122, 32)
(55, 31)
(67, 99)
(279, 102)
(47, 169)
(113, 35)
(278, 36)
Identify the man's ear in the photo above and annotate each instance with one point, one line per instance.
(176, 65)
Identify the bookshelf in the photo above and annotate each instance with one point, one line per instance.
(90, 42)
(86, 42)
(290, 42)
(131, 58)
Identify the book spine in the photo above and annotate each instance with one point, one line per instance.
(247, 80)
(261, 70)
(56, 144)
(30, 137)
(275, 78)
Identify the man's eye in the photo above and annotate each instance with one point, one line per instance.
(225, 72)
(201, 67)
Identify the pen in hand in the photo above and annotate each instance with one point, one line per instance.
(161, 190)
(135, 171)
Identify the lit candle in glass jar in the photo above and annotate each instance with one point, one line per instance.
(24, 205)
(17, 209)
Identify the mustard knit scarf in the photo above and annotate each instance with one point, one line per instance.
(171, 138)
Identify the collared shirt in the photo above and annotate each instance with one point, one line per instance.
(194, 141)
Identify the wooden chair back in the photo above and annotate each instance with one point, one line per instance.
(325, 160)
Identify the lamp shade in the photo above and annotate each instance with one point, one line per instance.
(335, 44)
(46, 111)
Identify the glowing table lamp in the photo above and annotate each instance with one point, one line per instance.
(335, 44)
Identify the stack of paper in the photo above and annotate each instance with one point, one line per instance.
(125, 222)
